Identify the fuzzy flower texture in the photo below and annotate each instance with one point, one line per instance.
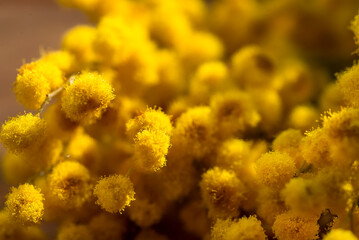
(189, 119)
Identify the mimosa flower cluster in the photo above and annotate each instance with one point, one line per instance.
(189, 119)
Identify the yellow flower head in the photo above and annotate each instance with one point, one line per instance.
(303, 117)
(23, 132)
(275, 169)
(86, 97)
(342, 124)
(69, 184)
(151, 133)
(288, 141)
(304, 196)
(116, 37)
(64, 60)
(79, 42)
(339, 233)
(151, 148)
(34, 81)
(114, 193)
(252, 67)
(244, 229)
(194, 131)
(151, 119)
(25, 204)
(315, 148)
(291, 226)
(234, 154)
(222, 192)
(208, 78)
(233, 111)
(200, 47)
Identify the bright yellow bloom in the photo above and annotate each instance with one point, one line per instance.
(288, 226)
(34, 81)
(242, 229)
(342, 234)
(69, 184)
(23, 133)
(151, 133)
(233, 111)
(349, 86)
(222, 192)
(79, 42)
(194, 131)
(151, 148)
(234, 154)
(304, 196)
(25, 204)
(114, 193)
(253, 67)
(86, 97)
(151, 119)
(64, 60)
(200, 47)
(115, 39)
(331, 98)
(208, 78)
(303, 118)
(275, 169)
(288, 141)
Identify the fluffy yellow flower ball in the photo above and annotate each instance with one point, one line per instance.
(349, 85)
(114, 193)
(22, 133)
(222, 192)
(79, 41)
(86, 97)
(69, 184)
(151, 148)
(244, 229)
(288, 226)
(151, 133)
(275, 169)
(25, 204)
(34, 81)
(151, 119)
